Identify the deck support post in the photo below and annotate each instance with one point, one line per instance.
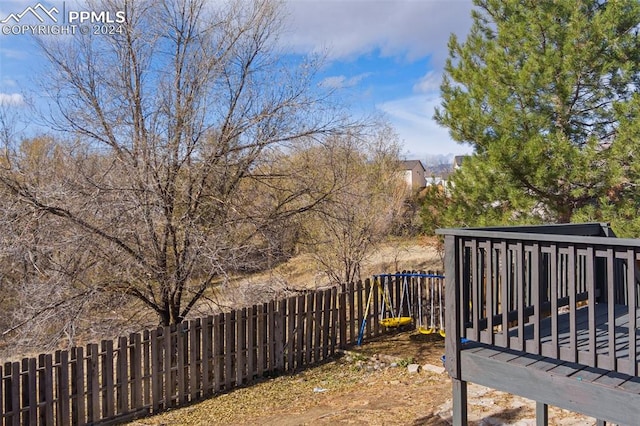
(459, 402)
(542, 414)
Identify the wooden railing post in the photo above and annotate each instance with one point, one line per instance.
(452, 307)
(632, 304)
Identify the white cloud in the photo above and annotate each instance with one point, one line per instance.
(15, 99)
(8, 82)
(429, 83)
(13, 53)
(408, 28)
(342, 82)
(412, 118)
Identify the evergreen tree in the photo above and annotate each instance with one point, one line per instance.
(546, 91)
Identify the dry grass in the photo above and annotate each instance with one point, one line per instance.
(301, 273)
(347, 390)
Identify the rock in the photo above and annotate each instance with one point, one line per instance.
(413, 368)
(433, 368)
(491, 421)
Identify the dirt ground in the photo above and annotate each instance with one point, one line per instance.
(370, 385)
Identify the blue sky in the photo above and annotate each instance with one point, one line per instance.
(387, 54)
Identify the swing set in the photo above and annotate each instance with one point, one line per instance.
(392, 315)
(435, 290)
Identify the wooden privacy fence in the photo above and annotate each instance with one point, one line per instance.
(148, 372)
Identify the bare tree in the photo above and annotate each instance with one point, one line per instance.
(367, 194)
(170, 122)
(45, 270)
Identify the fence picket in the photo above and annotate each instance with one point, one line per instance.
(241, 336)
(93, 385)
(342, 318)
(146, 372)
(181, 374)
(157, 390)
(252, 341)
(334, 320)
(207, 355)
(14, 392)
(309, 330)
(135, 370)
(2, 395)
(194, 359)
(279, 334)
(261, 339)
(271, 350)
(291, 330)
(326, 318)
(350, 306)
(229, 349)
(45, 388)
(62, 387)
(29, 398)
(77, 386)
(218, 351)
(108, 389)
(300, 317)
(317, 325)
(168, 361)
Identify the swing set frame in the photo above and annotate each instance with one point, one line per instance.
(392, 316)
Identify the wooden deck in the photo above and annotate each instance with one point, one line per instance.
(553, 314)
(595, 392)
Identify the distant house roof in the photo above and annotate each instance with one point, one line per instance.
(457, 160)
(411, 164)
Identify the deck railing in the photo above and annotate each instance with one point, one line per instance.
(561, 291)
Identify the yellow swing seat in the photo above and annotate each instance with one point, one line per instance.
(425, 330)
(395, 322)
